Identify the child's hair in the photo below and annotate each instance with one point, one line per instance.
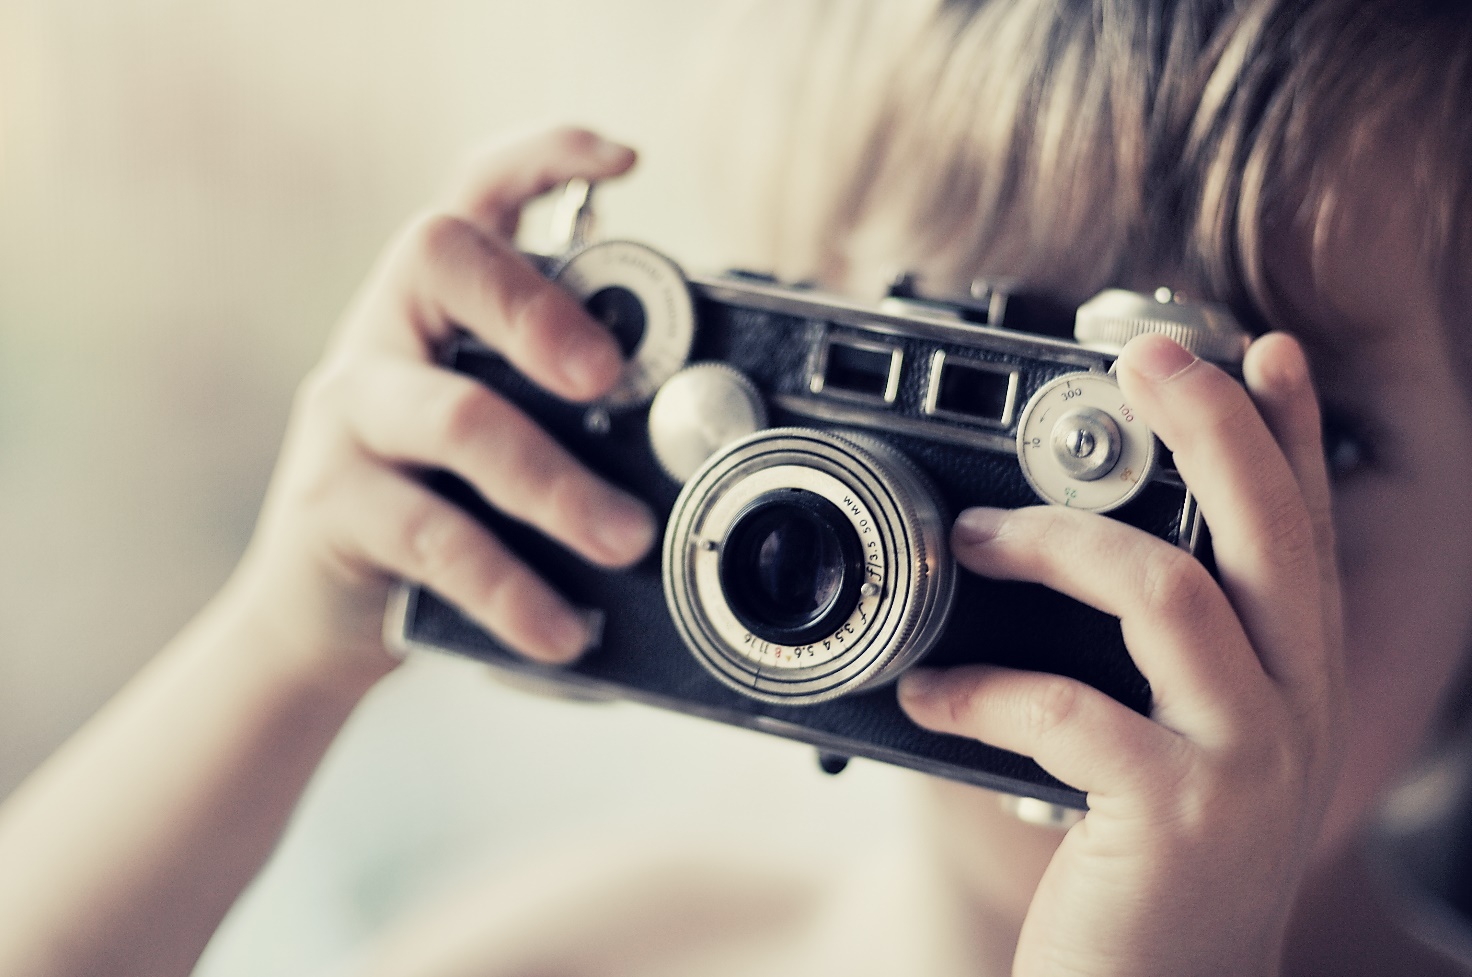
(1084, 143)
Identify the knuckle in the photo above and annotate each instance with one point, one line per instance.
(1190, 808)
(319, 432)
(464, 415)
(960, 707)
(563, 493)
(1174, 582)
(1271, 766)
(1051, 705)
(423, 540)
(319, 455)
(556, 493)
(491, 584)
(323, 385)
(1051, 529)
(536, 310)
(485, 277)
(438, 552)
(436, 237)
(539, 479)
(1214, 410)
(1232, 412)
(1288, 531)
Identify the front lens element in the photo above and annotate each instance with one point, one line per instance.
(791, 567)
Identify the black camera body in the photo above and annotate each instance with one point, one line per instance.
(807, 454)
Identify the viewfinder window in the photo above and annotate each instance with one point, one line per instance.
(859, 368)
(971, 390)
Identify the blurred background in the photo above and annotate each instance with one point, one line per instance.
(189, 192)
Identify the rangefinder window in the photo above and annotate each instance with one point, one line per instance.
(858, 368)
(971, 390)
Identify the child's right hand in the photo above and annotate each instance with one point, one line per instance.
(346, 514)
(1202, 817)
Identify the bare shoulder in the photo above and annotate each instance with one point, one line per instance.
(1352, 922)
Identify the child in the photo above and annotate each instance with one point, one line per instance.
(1301, 161)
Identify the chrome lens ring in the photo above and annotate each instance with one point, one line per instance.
(891, 512)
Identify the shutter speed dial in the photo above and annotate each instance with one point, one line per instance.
(1086, 443)
(1080, 445)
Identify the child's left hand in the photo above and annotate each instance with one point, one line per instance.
(1203, 816)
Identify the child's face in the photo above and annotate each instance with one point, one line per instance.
(1383, 357)
(1369, 318)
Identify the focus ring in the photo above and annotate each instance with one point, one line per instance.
(892, 512)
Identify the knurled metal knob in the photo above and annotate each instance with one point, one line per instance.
(698, 412)
(1115, 316)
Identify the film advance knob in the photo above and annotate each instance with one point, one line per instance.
(1081, 446)
(1115, 316)
(698, 412)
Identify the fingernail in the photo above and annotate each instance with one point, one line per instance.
(1287, 367)
(572, 632)
(595, 620)
(1158, 357)
(919, 684)
(976, 526)
(624, 528)
(614, 152)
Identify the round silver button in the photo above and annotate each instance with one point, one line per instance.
(698, 412)
(1086, 443)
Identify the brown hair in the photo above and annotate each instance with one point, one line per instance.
(1075, 144)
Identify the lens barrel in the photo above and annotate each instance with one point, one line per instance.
(800, 565)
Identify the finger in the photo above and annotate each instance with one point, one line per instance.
(395, 524)
(1178, 625)
(500, 181)
(1277, 376)
(418, 414)
(454, 275)
(1075, 732)
(1262, 535)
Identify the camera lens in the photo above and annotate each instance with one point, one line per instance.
(791, 567)
(620, 310)
(801, 565)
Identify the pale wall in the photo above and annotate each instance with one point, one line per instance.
(189, 191)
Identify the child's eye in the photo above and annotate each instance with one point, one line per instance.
(1348, 451)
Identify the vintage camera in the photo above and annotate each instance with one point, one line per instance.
(807, 454)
